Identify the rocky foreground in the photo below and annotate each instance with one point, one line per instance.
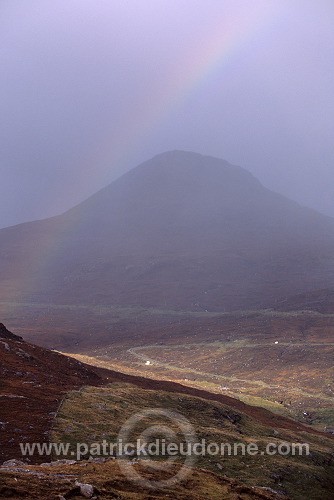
(90, 479)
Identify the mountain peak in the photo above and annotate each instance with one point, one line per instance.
(171, 185)
(180, 162)
(181, 230)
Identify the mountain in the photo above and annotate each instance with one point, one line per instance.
(180, 231)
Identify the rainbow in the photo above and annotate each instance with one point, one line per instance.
(213, 53)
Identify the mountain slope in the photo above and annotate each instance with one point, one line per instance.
(180, 231)
(33, 382)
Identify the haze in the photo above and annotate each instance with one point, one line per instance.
(90, 89)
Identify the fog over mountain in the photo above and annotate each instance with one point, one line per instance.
(88, 90)
(180, 231)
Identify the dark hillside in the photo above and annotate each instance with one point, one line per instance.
(180, 231)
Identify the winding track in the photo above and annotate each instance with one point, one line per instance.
(133, 351)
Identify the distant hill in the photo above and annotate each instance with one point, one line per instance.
(180, 231)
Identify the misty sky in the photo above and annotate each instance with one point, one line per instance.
(91, 88)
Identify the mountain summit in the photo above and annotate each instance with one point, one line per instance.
(180, 231)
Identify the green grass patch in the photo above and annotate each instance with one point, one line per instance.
(96, 414)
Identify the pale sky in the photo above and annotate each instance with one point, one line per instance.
(91, 88)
